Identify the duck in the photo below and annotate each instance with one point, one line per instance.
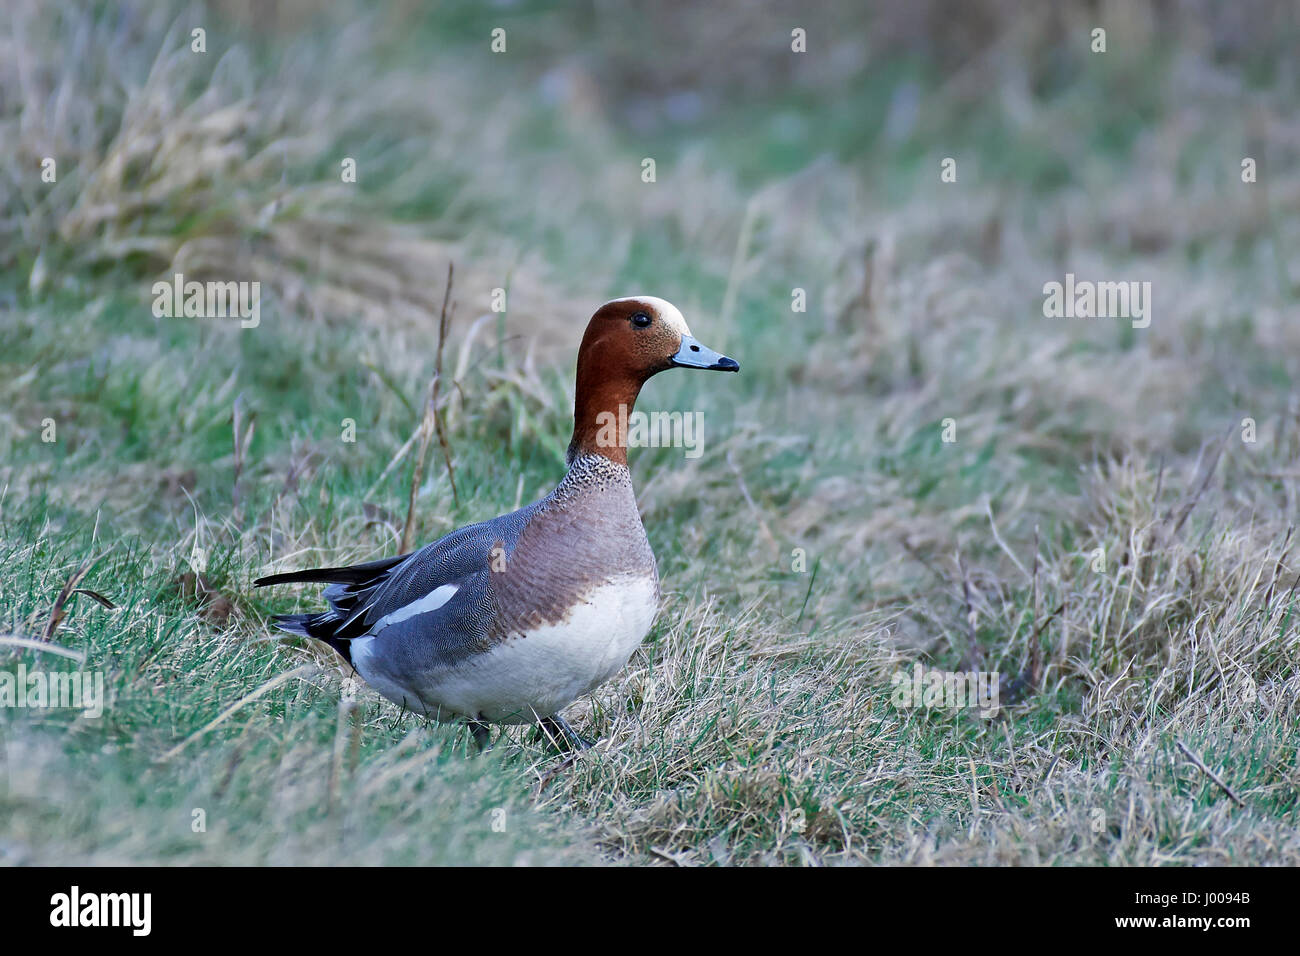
(510, 620)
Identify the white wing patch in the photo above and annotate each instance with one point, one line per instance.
(362, 649)
(430, 602)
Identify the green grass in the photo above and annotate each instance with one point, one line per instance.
(755, 725)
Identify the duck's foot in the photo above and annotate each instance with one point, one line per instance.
(560, 735)
(479, 729)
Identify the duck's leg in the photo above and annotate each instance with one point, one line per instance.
(479, 729)
(560, 734)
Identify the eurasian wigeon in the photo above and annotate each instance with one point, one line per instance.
(510, 620)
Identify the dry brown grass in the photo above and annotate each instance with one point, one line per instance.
(756, 727)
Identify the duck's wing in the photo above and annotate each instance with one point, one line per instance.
(438, 594)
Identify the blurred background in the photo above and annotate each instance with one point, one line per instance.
(780, 177)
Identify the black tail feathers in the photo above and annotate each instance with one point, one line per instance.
(358, 579)
(295, 623)
(319, 626)
(353, 574)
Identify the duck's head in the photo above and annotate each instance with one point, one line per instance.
(627, 341)
(638, 336)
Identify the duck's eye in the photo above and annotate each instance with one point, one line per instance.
(641, 320)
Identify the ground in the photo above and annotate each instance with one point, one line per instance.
(915, 464)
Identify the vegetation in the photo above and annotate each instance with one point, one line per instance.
(826, 539)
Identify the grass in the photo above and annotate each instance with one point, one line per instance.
(826, 538)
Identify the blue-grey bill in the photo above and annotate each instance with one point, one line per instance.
(694, 355)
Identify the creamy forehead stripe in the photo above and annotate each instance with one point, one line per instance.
(667, 311)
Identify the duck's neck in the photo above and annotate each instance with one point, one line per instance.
(601, 410)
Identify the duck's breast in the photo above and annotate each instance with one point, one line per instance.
(541, 669)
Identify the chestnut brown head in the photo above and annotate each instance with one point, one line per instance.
(640, 335)
(626, 342)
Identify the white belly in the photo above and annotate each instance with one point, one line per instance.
(539, 673)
